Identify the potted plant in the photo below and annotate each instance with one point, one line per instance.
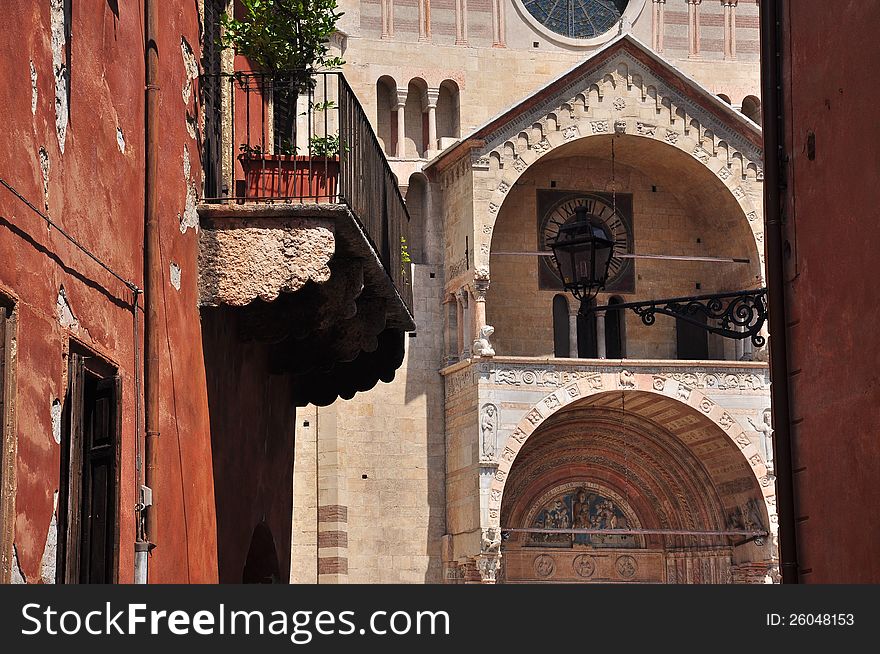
(286, 42)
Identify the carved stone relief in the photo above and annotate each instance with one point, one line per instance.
(489, 432)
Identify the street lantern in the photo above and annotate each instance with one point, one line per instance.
(582, 250)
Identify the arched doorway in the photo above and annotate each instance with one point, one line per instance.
(665, 493)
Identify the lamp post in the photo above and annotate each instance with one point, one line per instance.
(582, 250)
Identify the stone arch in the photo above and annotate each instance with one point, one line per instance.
(604, 119)
(595, 384)
(415, 144)
(448, 110)
(417, 191)
(751, 108)
(386, 108)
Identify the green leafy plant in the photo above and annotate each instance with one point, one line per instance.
(284, 35)
(405, 259)
(326, 146)
(250, 150)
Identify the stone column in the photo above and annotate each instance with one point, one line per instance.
(600, 334)
(658, 25)
(465, 324)
(693, 28)
(729, 16)
(739, 348)
(387, 19)
(461, 37)
(481, 287)
(573, 308)
(424, 20)
(498, 38)
(332, 500)
(729, 346)
(748, 350)
(450, 316)
(401, 124)
(429, 100)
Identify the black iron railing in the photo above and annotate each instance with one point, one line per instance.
(296, 138)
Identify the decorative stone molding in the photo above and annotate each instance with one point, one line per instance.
(581, 384)
(711, 135)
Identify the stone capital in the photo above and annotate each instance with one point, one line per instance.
(481, 287)
(430, 97)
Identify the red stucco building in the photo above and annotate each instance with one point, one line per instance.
(73, 315)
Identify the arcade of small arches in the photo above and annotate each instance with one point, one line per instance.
(750, 106)
(416, 121)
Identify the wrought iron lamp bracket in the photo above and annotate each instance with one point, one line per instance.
(730, 312)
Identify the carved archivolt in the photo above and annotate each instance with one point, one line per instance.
(616, 97)
(674, 389)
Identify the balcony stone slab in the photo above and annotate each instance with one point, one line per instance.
(304, 281)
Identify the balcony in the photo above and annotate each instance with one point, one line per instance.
(304, 231)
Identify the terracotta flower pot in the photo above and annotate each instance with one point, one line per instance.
(291, 177)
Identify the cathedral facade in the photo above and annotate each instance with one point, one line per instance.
(521, 441)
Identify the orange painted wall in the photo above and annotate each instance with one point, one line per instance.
(95, 191)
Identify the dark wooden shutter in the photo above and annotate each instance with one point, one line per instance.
(98, 492)
(87, 510)
(70, 493)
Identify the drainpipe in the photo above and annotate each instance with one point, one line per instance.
(774, 198)
(152, 287)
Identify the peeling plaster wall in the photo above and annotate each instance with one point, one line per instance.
(74, 87)
(60, 13)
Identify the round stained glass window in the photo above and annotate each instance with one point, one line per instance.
(577, 19)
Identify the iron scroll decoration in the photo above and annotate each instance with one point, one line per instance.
(739, 310)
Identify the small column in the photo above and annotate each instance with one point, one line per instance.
(429, 100)
(460, 319)
(424, 20)
(748, 350)
(498, 24)
(733, 28)
(465, 324)
(461, 37)
(481, 288)
(387, 19)
(401, 124)
(739, 347)
(573, 329)
(693, 28)
(730, 347)
(658, 24)
(600, 334)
